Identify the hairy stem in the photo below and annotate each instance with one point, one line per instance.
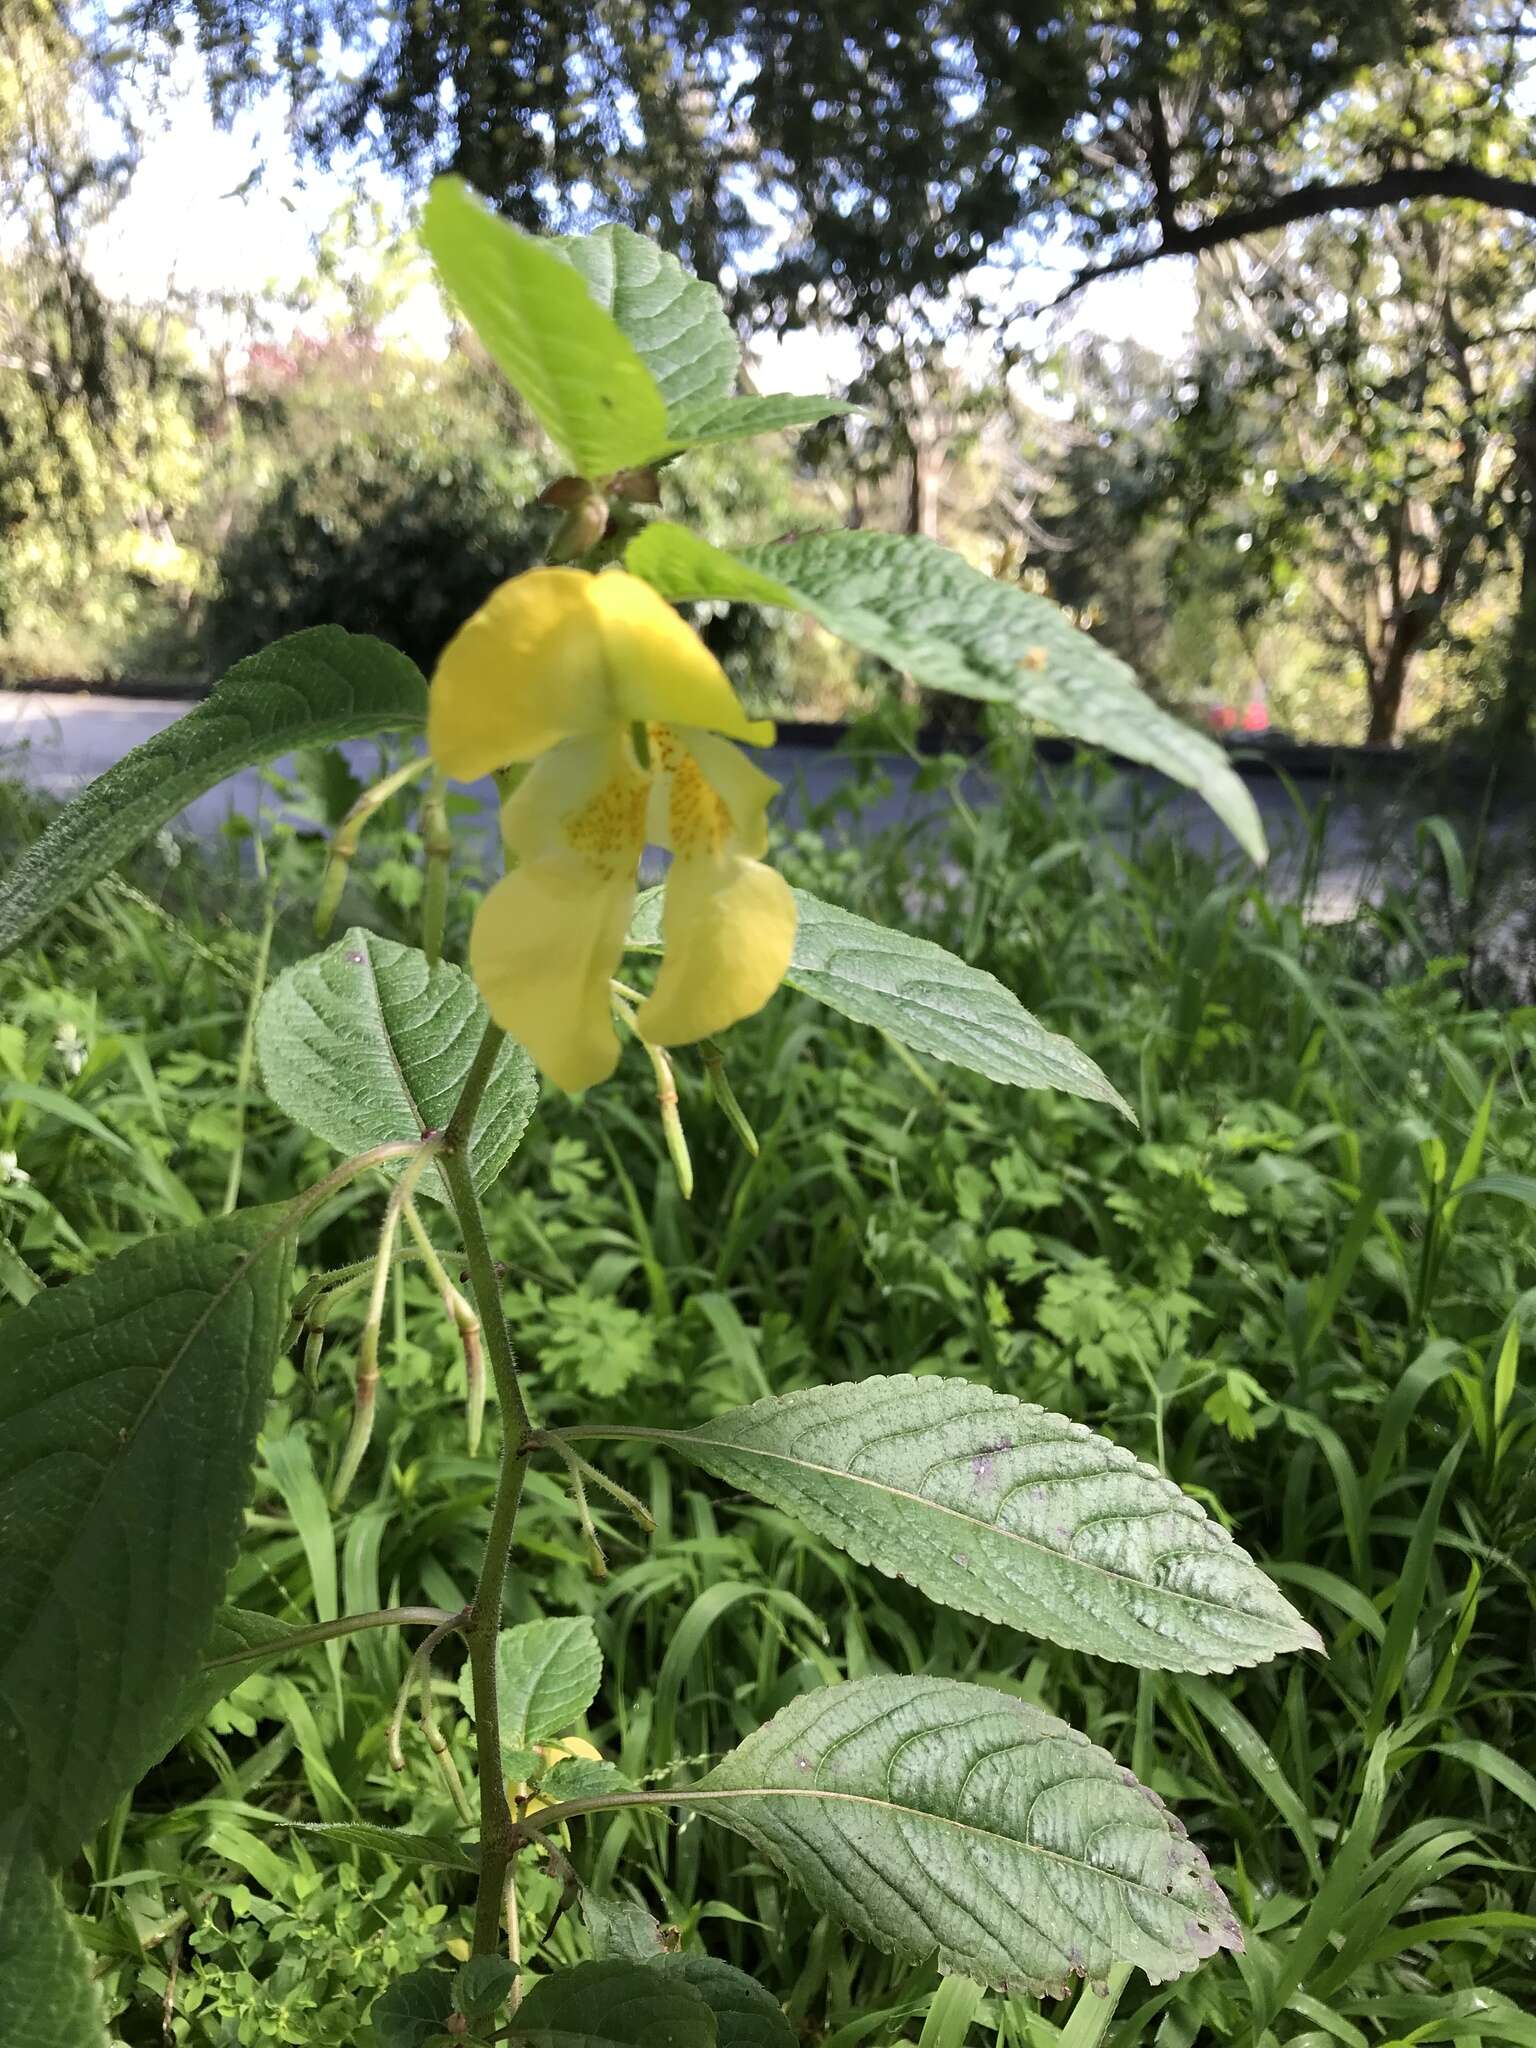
(348, 1625)
(465, 1321)
(368, 1349)
(303, 1206)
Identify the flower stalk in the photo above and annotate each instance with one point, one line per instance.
(349, 835)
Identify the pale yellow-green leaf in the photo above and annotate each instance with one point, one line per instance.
(569, 360)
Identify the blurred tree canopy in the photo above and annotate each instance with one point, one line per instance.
(1350, 438)
(96, 432)
(1331, 505)
(872, 154)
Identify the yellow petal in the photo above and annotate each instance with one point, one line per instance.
(707, 793)
(549, 936)
(660, 667)
(569, 1746)
(557, 653)
(728, 922)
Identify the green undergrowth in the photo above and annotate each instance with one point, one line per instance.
(1303, 1284)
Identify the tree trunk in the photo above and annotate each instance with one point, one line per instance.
(924, 476)
(1387, 681)
(1517, 712)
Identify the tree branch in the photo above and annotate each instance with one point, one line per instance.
(1311, 201)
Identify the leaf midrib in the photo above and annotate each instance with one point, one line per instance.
(388, 1037)
(692, 1798)
(687, 1436)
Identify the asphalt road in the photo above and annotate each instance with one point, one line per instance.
(59, 741)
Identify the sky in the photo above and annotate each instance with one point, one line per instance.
(188, 221)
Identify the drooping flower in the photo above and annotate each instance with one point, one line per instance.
(624, 719)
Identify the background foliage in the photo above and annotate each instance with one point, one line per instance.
(1319, 512)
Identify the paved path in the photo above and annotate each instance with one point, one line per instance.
(59, 741)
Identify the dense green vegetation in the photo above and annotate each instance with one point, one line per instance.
(1302, 1286)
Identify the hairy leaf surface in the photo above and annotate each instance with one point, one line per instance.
(129, 1406)
(746, 2015)
(414, 2010)
(622, 1931)
(547, 1675)
(920, 995)
(929, 1815)
(737, 419)
(925, 610)
(1000, 1508)
(615, 2004)
(47, 1999)
(308, 690)
(234, 1629)
(674, 321)
(678, 327)
(365, 1043)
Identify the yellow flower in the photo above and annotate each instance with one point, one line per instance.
(562, 669)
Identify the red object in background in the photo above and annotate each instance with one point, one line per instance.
(1254, 717)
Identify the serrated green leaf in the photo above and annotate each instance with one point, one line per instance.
(686, 569)
(547, 1675)
(564, 354)
(615, 2005)
(674, 321)
(47, 1999)
(738, 419)
(414, 2011)
(620, 1930)
(420, 1851)
(997, 1507)
(931, 1815)
(925, 610)
(580, 1777)
(365, 1043)
(920, 995)
(746, 2015)
(242, 1628)
(129, 1405)
(483, 1986)
(309, 690)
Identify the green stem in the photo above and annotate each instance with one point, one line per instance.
(247, 1061)
(437, 843)
(497, 1838)
(368, 1349)
(465, 1321)
(303, 1206)
(606, 1802)
(467, 1108)
(350, 831)
(497, 1841)
(348, 1625)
